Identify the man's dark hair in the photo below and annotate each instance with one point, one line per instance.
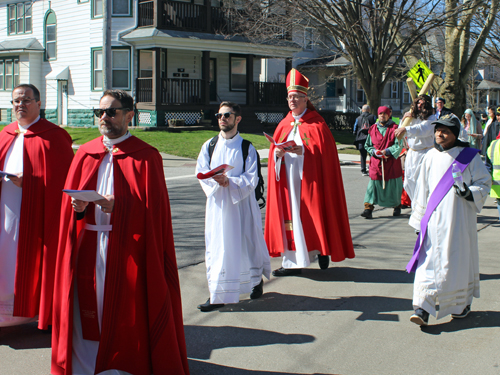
(125, 99)
(492, 108)
(36, 92)
(236, 107)
(426, 112)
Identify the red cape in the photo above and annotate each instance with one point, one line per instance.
(323, 209)
(142, 328)
(46, 160)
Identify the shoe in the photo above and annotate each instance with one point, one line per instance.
(396, 212)
(287, 271)
(367, 214)
(323, 261)
(365, 174)
(463, 314)
(207, 306)
(420, 317)
(257, 290)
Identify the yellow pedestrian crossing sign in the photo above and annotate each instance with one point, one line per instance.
(419, 73)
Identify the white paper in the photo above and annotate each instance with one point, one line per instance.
(2, 174)
(84, 195)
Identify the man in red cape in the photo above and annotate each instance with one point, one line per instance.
(117, 303)
(306, 209)
(37, 154)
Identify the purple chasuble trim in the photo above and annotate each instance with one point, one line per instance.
(442, 188)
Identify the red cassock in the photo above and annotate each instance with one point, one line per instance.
(47, 156)
(142, 329)
(323, 209)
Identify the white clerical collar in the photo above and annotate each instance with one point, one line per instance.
(299, 116)
(23, 129)
(230, 139)
(108, 143)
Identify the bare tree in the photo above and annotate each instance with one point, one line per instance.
(467, 30)
(374, 35)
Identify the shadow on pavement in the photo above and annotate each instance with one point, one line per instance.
(26, 336)
(206, 368)
(494, 276)
(476, 319)
(481, 219)
(359, 275)
(201, 340)
(371, 307)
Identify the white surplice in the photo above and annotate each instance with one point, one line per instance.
(420, 139)
(85, 351)
(448, 274)
(294, 164)
(236, 254)
(10, 215)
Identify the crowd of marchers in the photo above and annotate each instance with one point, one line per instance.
(86, 267)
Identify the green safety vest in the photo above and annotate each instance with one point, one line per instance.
(494, 155)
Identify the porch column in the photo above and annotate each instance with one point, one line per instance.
(208, 9)
(288, 66)
(157, 102)
(488, 98)
(205, 76)
(344, 109)
(250, 89)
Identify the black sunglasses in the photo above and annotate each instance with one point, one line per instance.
(110, 112)
(226, 115)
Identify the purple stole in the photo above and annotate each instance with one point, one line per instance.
(442, 188)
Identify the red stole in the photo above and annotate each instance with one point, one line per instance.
(392, 166)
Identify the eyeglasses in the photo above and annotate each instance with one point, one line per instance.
(290, 98)
(22, 101)
(110, 112)
(226, 115)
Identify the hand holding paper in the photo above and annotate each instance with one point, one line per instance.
(219, 170)
(285, 146)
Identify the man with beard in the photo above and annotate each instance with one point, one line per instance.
(236, 253)
(36, 154)
(491, 130)
(386, 182)
(420, 139)
(445, 258)
(117, 303)
(306, 209)
(361, 126)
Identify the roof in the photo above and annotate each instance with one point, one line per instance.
(327, 62)
(488, 85)
(21, 45)
(150, 37)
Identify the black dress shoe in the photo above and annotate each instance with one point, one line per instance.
(257, 290)
(207, 306)
(420, 317)
(287, 271)
(323, 261)
(367, 214)
(396, 212)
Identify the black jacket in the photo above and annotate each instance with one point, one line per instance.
(444, 111)
(490, 136)
(360, 133)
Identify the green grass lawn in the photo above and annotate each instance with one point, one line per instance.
(186, 143)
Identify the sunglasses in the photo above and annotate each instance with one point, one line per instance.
(110, 112)
(226, 115)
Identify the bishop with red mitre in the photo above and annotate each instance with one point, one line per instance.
(35, 155)
(117, 302)
(306, 208)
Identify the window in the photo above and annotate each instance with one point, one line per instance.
(97, 8)
(9, 73)
(331, 88)
(406, 94)
(238, 77)
(309, 38)
(50, 36)
(360, 94)
(145, 64)
(394, 90)
(20, 18)
(97, 78)
(120, 69)
(120, 8)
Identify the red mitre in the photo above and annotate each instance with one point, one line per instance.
(296, 82)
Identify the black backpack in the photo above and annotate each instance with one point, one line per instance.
(365, 124)
(259, 189)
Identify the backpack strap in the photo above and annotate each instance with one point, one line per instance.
(211, 147)
(245, 145)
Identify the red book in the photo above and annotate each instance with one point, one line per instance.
(285, 146)
(219, 170)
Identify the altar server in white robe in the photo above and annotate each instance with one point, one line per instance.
(447, 273)
(236, 253)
